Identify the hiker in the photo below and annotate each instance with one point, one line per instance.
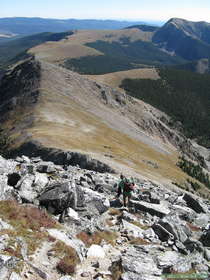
(120, 185)
(127, 191)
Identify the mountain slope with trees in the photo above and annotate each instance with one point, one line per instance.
(182, 94)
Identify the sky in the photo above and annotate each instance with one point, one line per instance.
(162, 10)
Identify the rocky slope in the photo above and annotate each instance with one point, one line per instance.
(48, 110)
(88, 235)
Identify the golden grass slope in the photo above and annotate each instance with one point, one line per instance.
(74, 45)
(115, 79)
(72, 113)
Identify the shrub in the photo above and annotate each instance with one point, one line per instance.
(139, 241)
(68, 257)
(97, 237)
(66, 265)
(25, 216)
(114, 212)
(136, 223)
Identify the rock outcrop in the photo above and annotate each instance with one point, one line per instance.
(84, 237)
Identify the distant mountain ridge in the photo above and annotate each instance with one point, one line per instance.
(26, 26)
(179, 42)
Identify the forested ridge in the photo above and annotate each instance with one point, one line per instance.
(121, 55)
(183, 95)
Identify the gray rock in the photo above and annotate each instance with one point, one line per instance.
(26, 159)
(193, 203)
(66, 278)
(182, 265)
(95, 203)
(128, 216)
(205, 238)
(150, 197)
(7, 166)
(131, 276)
(6, 192)
(163, 231)
(193, 245)
(159, 210)
(207, 254)
(185, 213)
(72, 214)
(15, 276)
(167, 259)
(150, 235)
(46, 167)
(40, 182)
(181, 248)
(131, 263)
(202, 220)
(4, 225)
(4, 272)
(61, 196)
(3, 241)
(26, 190)
(132, 230)
(8, 261)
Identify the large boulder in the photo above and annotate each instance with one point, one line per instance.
(193, 245)
(202, 220)
(159, 210)
(26, 190)
(60, 196)
(205, 238)
(167, 259)
(133, 267)
(95, 203)
(7, 166)
(6, 192)
(13, 179)
(193, 203)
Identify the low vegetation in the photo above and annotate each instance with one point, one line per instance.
(181, 94)
(68, 257)
(28, 223)
(139, 241)
(136, 223)
(28, 217)
(97, 237)
(114, 212)
(191, 274)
